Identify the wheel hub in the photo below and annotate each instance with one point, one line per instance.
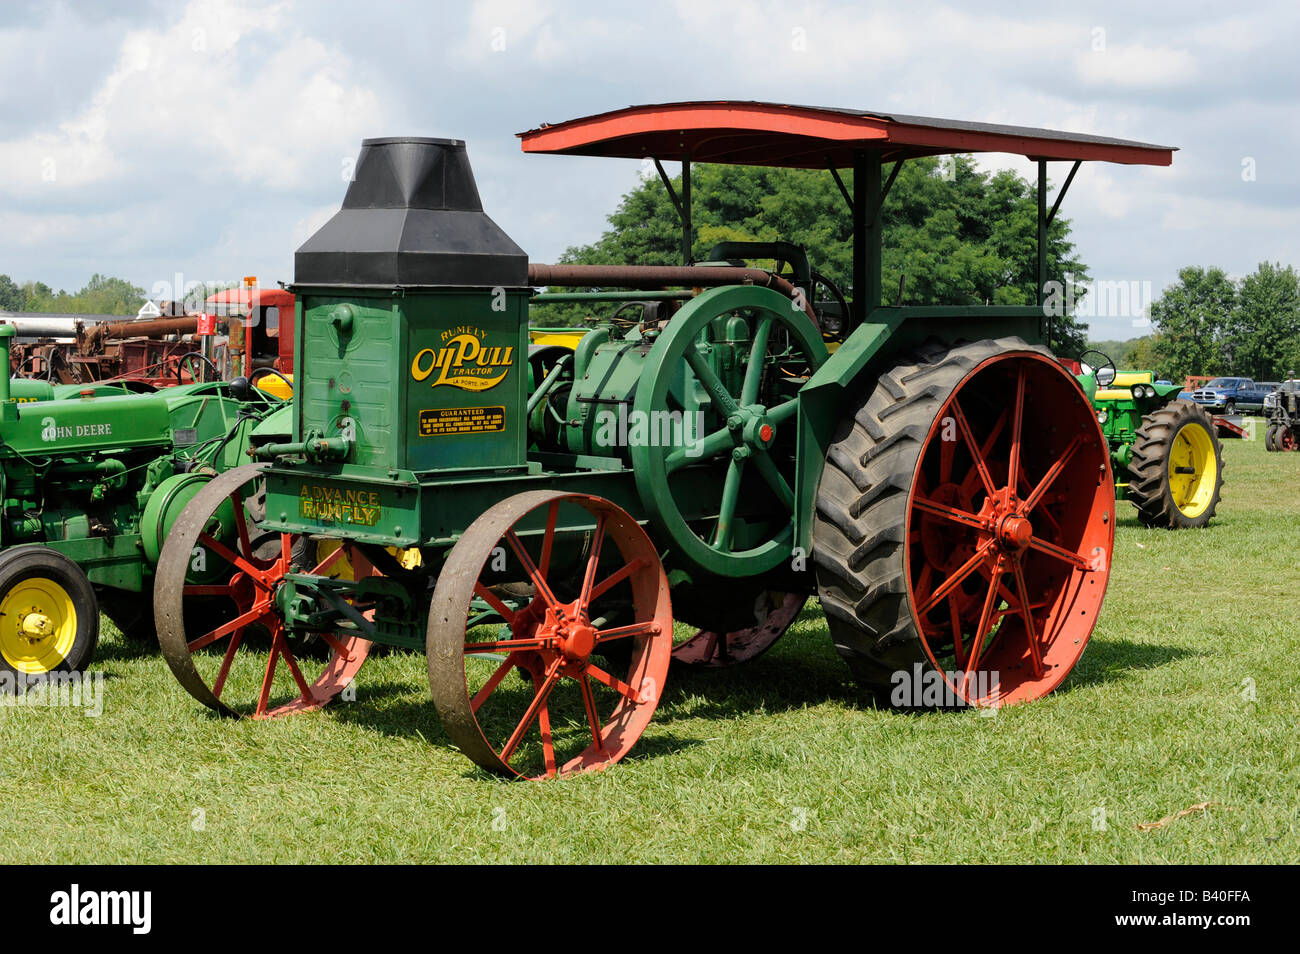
(1014, 533)
(35, 625)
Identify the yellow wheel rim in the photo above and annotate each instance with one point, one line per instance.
(38, 625)
(1193, 470)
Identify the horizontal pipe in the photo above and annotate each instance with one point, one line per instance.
(657, 276)
(153, 328)
(644, 295)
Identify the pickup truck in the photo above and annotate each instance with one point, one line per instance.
(1229, 395)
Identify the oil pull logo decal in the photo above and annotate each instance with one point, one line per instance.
(464, 361)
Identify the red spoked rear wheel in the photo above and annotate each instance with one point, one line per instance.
(218, 623)
(1009, 531)
(549, 636)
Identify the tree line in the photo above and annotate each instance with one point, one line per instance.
(102, 295)
(1208, 323)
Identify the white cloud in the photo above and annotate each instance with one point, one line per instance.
(229, 86)
(1136, 66)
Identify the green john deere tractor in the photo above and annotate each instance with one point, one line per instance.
(1165, 453)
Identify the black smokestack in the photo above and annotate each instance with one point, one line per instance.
(412, 216)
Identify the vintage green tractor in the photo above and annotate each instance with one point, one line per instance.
(1282, 410)
(537, 521)
(1165, 453)
(90, 485)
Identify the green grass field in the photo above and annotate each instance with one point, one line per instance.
(1187, 694)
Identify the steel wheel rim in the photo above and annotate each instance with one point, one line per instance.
(711, 649)
(38, 625)
(1024, 555)
(1193, 470)
(478, 637)
(205, 662)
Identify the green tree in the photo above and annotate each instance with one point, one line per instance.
(1191, 317)
(952, 234)
(11, 296)
(1263, 331)
(102, 295)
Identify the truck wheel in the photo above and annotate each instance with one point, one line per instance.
(1230, 408)
(965, 520)
(49, 618)
(1177, 467)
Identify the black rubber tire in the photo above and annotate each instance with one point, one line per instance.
(25, 562)
(858, 534)
(1230, 408)
(1148, 487)
(1270, 438)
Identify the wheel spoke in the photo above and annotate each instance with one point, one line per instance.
(226, 660)
(727, 508)
(618, 685)
(957, 516)
(986, 622)
(1051, 549)
(589, 577)
(490, 686)
(1052, 473)
(225, 629)
(221, 550)
(955, 617)
(622, 632)
(544, 726)
(240, 523)
(1017, 420)
(494, 601)
(548, 538)
(539, 700)
(975, 450)
(627, 569)
(337, 646)
(511, 645)
(1031, 634)
(702, 449)
(757, 361)
(292, 663)
(948, 585)
(783, 412)
(326, 564)
(218, 589)
(589, 703)
(265, 695)
(539, 582)
(717, 391)
(767, 467)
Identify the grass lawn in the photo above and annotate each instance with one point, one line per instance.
(1187, 694)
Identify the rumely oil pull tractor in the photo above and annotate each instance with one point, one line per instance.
(938, 479)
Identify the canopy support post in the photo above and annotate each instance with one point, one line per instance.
(682, 204)
(867, 198)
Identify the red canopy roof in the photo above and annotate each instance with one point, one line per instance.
(809, 137)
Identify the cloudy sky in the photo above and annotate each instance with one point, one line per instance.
(208, 139)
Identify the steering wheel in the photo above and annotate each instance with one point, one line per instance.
(833, 327)
(184, 362)
(1098, 371)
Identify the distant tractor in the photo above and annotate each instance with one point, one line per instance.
(1282, 408)
(1164, 452)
